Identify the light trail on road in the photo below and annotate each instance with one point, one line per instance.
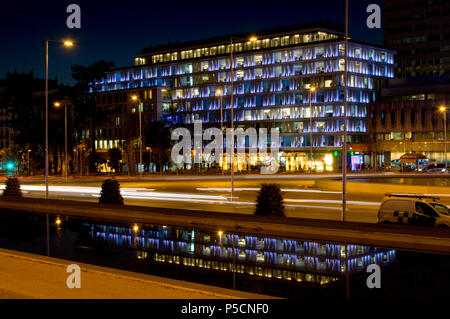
(249, 189)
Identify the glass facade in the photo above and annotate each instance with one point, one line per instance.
(271, 82)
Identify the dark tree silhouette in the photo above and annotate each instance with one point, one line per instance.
(110, 193)
(269, 201)
(157, 136)
(87, 114)
(114, 157)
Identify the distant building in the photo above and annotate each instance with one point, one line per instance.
(419, 31)
(22, 101)
(407, 119)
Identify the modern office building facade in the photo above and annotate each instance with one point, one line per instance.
(273, 76)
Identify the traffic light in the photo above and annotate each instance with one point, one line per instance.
(10, 166)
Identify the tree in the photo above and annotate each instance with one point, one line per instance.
(12, 188)
(87, 115)
(110, 193)
(269, 201)
(114, 157)
(157, 136)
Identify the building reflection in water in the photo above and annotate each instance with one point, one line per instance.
(256, 256)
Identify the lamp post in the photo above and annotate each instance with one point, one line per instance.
(135, 98)
(344, 146)
(57, 104)
(252, 39)
(28, 161)
(66, 43)
(443, 109)
(149, 149)
(220, 93)
(312, 89)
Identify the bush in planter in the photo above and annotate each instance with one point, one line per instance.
(110, 193)
(12, 188)
(269, 201)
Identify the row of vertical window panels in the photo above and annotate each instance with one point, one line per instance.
(220, 80)
(239, 46)
(292, 55)
(298, 140)
(326, 90)
(271, 100)
(277, 112)
(256, 76)
(288, 70)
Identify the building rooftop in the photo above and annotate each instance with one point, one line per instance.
(324, 26)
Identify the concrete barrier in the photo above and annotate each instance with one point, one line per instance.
(379, 235)
(378, 188)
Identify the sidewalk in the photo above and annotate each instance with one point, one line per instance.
(29, 276)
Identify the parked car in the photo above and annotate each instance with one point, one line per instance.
(434, 168)
(413, 209)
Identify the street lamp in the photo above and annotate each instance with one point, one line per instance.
(344, 146)
(312, 89)
(220, 93)
(66, 43)
(149, 149)
(251, 39)
(28, 160)
(135, 98)
(443, 109)
(57, 104)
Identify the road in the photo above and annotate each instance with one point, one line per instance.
(213, 194)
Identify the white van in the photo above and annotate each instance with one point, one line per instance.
(413, 209)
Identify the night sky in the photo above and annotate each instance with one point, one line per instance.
(117, 30)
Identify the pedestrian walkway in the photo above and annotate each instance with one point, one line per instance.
(29, 276)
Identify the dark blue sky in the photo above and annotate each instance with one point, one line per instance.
(117, 30)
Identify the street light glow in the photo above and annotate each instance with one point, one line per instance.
(253, 39)
(219, 92)
(312, 89)
(442, 109)
(134, 97)
(57, 104)
(68, 43)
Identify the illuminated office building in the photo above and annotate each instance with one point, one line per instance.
(274, 72)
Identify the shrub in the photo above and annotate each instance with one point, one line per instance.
(269, 201)
(12, 188)
(110, 193)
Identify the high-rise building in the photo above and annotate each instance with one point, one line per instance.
(275, 73)
(419, 30)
